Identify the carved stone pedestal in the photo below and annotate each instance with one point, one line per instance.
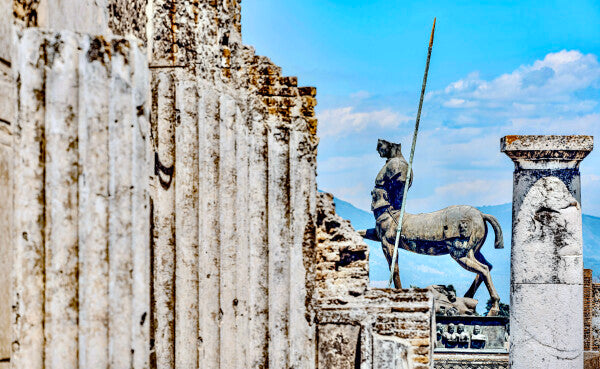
(471, 334)
(546, 301)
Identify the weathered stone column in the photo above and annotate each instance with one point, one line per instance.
(546, 302)
(80, 235)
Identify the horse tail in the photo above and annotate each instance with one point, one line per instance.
(499, 242)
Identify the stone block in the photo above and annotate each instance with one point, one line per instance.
(337, 345)
(73, 15)
(390, 353)
(470, 361)
(546, 326)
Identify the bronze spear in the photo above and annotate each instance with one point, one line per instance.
(410, 161)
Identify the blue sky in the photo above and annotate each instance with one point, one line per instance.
(498, 68)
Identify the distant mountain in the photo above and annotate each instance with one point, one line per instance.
(423, 270)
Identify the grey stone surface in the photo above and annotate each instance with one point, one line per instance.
(546, 258)
(337, 345)
(539, 341)
(88, 16)
(186, 223)
(390, 352)
(28, 217)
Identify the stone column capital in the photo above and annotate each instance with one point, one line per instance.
(546, 152)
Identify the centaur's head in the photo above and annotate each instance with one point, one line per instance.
(388, 149)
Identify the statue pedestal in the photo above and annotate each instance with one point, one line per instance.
(471, 334)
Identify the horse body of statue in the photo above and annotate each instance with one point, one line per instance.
(459, 231)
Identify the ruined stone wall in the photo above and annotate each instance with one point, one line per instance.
(234, 247)
(595, 317)
(591, 312)
(360, 327)
(342, 269)
(229, 211)
(587, 309)
(241, 296)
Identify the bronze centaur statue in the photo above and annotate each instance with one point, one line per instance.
(459, 231)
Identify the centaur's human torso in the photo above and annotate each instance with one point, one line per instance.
(392, 179)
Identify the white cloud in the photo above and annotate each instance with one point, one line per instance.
(590, 178)
(547, 82)
(346, 120)
(360, 95)
(428, 269)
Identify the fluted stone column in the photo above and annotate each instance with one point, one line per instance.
(80, 234)
(546, 302)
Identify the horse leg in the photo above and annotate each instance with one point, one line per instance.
(387, 251)
(470, 263)
(474, 286)
(477, 281)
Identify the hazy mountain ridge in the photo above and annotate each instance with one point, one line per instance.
(423, 270)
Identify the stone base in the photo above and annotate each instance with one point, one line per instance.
(470, 361)
(384, 328)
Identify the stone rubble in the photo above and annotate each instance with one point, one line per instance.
(359, 326)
